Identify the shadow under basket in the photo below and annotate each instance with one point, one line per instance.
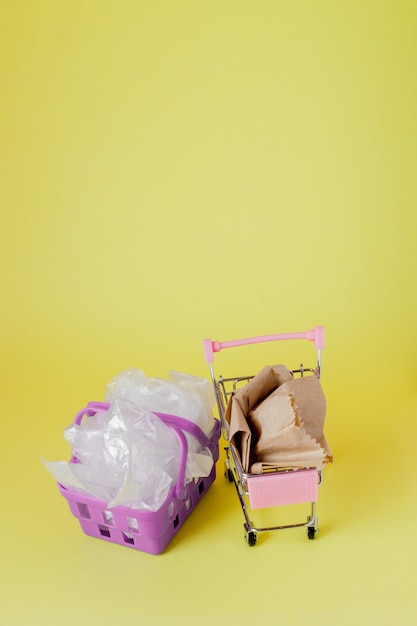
(148, 531)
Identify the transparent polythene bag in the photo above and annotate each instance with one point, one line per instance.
(127, 455)
(190, 397)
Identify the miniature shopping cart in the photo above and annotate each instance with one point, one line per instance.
(145, 530)
(281, 486)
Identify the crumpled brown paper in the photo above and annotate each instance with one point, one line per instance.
(276, 421)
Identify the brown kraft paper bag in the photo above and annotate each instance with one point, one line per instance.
(276, 421)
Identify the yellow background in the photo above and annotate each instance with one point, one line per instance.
(178, 170)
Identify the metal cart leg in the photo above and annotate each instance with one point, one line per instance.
(312, 523)
(251, 533)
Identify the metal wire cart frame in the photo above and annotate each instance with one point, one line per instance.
(278, 487)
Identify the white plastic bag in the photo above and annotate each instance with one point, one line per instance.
(129, 456)
(187, 396)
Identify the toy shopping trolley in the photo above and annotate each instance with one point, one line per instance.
(273, 425)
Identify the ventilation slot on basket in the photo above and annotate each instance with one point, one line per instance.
(83, 509)
(104, 531)
(108, 517)
(128, 538)
(132, 524)
(201, 487)
(176, 521)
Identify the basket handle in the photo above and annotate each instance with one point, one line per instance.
(178, 425)
(91, 409)
(210, 347)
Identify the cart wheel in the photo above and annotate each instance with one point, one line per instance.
(251, 537)
(228, 474)
(311, 532)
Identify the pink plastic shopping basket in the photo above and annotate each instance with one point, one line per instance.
(148, 531)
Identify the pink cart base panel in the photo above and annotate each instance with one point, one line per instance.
(283, 488)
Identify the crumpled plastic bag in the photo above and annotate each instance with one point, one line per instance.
(129, 456)
(181, 394)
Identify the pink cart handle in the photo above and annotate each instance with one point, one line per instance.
(178, 425)
(210, 347)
